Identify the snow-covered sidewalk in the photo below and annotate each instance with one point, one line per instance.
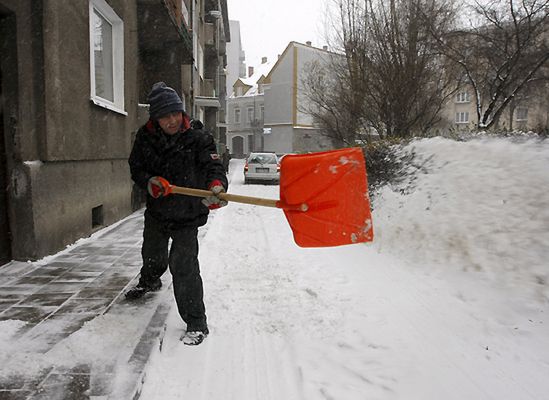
(450, 301)
(66, 331)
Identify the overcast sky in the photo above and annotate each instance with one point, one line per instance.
(267, 26)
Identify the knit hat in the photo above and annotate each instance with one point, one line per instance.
(163, 100)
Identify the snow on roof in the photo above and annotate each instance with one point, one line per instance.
(261, 71)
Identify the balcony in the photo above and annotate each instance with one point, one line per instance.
(208, 96)
(207, 88)
(162, 27)
(209, 35)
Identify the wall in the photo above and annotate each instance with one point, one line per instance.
(67, 155)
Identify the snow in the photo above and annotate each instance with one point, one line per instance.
(449, 302)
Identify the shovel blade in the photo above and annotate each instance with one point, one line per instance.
(334, 186)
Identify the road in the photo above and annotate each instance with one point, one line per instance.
(342, 323)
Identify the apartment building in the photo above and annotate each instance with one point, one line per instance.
(74, 79)
(266, 111)
(246, 108)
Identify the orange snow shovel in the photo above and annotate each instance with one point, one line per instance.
(324, 197)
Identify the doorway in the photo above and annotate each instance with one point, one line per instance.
(237, 147)
(5, 234)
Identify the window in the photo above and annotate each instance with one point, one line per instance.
(237, 115)
(250, 114)
(261, 112)
(462, 117)
(463, 97)
(521, 114)
(106, 57)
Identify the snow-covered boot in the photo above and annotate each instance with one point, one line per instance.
(141, 288)
(194, 338)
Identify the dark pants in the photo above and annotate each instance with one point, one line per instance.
(182, 258)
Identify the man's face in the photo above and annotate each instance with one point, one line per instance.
(170, 123)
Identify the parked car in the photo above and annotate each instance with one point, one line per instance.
(262, 167)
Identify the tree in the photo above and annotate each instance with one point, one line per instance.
(501, 54)
(388, 76)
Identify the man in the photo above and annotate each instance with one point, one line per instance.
(168, 151)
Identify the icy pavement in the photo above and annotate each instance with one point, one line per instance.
(66, 329)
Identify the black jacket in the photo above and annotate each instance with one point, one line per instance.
(188, 158)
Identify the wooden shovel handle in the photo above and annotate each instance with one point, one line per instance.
(225, 196)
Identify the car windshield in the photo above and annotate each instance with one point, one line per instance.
(262, 159)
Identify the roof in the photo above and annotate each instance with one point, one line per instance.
(252, 82)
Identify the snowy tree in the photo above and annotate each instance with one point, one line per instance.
(388, 79)
(503, 52)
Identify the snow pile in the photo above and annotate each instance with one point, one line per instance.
(481, 206)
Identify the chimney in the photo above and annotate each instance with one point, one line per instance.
(263, 60)
(309, 43)
(325, 48)
(250, 71)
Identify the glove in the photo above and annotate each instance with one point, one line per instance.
(213, 202)
(158, 186)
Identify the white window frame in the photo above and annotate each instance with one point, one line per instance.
(462, 117)
(463, 97)
(237, 115)
(521, 114)
(102, 8)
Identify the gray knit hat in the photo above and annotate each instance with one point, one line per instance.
(163, 100)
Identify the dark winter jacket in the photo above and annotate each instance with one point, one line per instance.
(188, 158)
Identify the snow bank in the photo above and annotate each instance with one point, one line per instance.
(480, 206)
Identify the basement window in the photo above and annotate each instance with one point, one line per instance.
(106, 57)
(97, 217)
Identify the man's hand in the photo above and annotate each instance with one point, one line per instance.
(213, 202)
(158, 186)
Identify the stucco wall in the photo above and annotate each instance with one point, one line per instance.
(279, 93)
(66, 155)
(280, 140)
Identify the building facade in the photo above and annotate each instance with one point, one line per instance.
(246, 107)
(266, 111)
(236, 66)
(74, 79)
(528, 111)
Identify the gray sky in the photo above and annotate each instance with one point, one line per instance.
(267, 26)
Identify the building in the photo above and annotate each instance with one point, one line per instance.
(211, 33)
(246, 111)
(236, 67)
(288, 129)
(266, 111)
(529, 111)
(74, 79)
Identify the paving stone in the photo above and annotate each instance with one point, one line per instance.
(14, 394)
(4, 305)
(64, 387)
(78, 306)
(48, 272)
(33, 280)
(31, 315)
(96, 293)
(19, 289)
(47, 299)
(62, 287)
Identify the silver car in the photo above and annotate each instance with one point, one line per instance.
(262, 167)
